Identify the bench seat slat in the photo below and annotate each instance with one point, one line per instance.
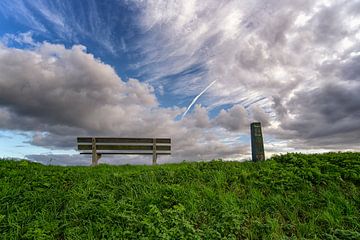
(126, 147)
(129, 153)
(122, 140)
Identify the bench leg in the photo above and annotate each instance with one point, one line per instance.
(98, 156)
(154, 158)
(154, 152)
(94, 154)
(95, 159)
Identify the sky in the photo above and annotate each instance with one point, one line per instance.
(196, 71)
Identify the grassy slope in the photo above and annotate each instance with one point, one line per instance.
(295, 195)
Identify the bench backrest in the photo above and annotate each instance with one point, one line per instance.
(98, 146)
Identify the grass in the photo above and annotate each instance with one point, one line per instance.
(293, 196)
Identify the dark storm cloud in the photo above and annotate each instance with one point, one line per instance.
(54, 141)
(326, 114)
(234, 119)
(350, 70)
(328, 25)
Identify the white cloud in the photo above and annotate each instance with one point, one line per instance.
(59, 93)
(22, 39)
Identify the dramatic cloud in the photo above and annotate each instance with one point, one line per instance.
(60, 93)
(327, 116)
(293, 65)
(68, 87)
(234, 119)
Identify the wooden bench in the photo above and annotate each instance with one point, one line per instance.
(98, 146)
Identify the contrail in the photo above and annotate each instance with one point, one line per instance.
(196, 98)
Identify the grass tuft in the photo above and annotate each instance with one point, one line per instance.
(293, 196)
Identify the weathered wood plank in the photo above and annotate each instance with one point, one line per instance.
(94, 155)
(122, 140)
(128, 153)
(154, 151)
(125, 147)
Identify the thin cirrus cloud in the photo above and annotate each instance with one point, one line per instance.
(293, 65)
(295, 57)
(69, 21)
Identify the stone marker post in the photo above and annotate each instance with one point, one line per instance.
(257, 143)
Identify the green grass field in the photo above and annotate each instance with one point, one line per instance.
(294, 196)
